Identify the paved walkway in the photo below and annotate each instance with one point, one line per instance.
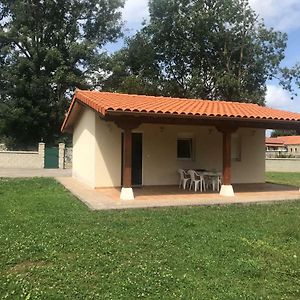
(17, 173)
(107, 199)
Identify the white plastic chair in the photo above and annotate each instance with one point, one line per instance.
(220, 182)
(214, 181)
(197, 180)
(184, 179)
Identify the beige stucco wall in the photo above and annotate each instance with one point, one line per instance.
(251, 168)
(160, 163)
(23, 159)
(160, 150)
(84, 148)
(108, 154)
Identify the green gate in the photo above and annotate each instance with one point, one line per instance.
(51, 158)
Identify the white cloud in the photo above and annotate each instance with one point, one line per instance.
(280, 99)
(134, 13)
(281, 14)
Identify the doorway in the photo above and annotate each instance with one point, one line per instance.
(137, 159)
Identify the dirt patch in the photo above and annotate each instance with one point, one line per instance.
(27, 265)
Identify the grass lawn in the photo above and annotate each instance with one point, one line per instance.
(284, 178)
(53, 247)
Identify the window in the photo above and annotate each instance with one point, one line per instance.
(236, 149)
(184, 148)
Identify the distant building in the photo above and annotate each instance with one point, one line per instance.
(283, 146)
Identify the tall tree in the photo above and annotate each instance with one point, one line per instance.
(278, 132)
(47, 48)
(290, 79)
(200, 48)
(134, 69)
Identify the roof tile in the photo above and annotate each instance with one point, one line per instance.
(104, 102)
(286, 140)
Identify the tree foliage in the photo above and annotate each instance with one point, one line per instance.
(47, 48)
(200, 48)
(276, 133)
(290, 79)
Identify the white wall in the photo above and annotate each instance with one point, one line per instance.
(251, 168)
(160, 151)
(160, 163)
(108, 154)
(84, 148)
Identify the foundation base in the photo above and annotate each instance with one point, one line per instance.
(127, 194)
(227, 191)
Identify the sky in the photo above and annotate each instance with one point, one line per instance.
(283, 15)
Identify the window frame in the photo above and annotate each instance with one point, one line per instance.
(191, 146)
(236, 148)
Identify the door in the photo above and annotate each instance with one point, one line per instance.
(51, 158)
(137, 159)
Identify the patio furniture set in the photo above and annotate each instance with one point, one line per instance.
(200, 180)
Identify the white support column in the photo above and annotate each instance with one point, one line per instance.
(127, 194)
(61, 155)
(42, 155)
(227, 191)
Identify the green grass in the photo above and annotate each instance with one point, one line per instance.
(284, 178)
(53, 247)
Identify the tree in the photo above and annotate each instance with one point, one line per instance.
(134, 69)
(276, 133)
(290, 79)
(203, 49)
(47, 48)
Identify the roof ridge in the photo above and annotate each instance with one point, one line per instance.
(173, 98)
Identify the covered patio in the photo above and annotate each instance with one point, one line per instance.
(97, 120)
(166, 196)
(258, 192)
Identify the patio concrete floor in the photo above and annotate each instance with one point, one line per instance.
(163, 196)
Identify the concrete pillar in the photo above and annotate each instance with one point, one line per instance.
(42, 154)
(226, 188)
(61, 155)
(127, 126)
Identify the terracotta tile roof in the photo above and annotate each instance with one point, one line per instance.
(274, 141)
(285, 140)
(104, 102)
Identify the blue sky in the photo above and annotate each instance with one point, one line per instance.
(283, 15)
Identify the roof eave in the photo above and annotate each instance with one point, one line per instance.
(154, 117)
(68, 124)
(264, 123)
